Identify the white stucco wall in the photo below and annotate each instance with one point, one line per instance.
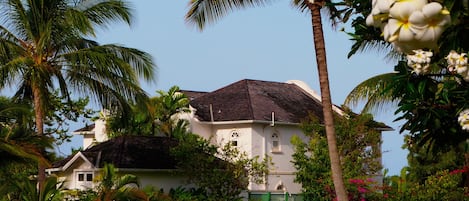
(282, 171)
(255, 139)
(69, 175)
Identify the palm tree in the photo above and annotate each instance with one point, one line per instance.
(44, 45)
(166, 106)
(50, 191)
(156, 116)
(202, 12)
(115, 187)
(17, 142)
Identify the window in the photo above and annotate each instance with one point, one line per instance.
(89, 177)
(81, 177)
(234, 138)
(275, 142)
(84, 180)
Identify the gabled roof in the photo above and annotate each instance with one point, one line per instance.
(256, 100)
(192, 94)
(85, 129)
(142, 152)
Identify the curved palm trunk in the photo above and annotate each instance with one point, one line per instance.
(320, 49)
(39, 113)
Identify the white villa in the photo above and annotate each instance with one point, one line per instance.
(259, 117)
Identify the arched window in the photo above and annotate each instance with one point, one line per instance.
(275, 142)
(234, 137)
(280, 187)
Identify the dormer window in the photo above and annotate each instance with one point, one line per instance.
(275, 142)
(234, 138)
(84, 179)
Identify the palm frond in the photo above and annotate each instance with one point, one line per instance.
(203, 12)
(15, 17)
(376, 92)
(103, 13)
(123, 61)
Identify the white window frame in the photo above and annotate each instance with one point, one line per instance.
(86, 183)
(276, 145)
(234, 137)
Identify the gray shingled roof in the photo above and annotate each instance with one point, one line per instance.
(143, 152)
(256, 100)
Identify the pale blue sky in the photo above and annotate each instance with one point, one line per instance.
(272, 43)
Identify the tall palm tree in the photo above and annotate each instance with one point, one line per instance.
(44, 45)
(202, 12)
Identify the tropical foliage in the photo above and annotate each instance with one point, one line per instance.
(359, 143)
(17, 142)
(113, 186)
(45, 45)
(223, 172)
(429, 84)
(26, 190)
(157, 116)
(202, 12)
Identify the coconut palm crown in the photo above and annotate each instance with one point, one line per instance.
(45, 45)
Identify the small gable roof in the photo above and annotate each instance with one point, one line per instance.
(85, 129)
(139, 152)
(192, 94)
(256, 100)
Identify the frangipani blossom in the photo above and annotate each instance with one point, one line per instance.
(409, 24)
(462, 59)
(458, 63)
(452, 58)
(463, 119)
(399, 26)
(460, 69)
(379, 12)
(419, 61)
(420, 56)
(429, 22)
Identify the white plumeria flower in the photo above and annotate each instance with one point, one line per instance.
(429, 22)
(462, 59)
(452, 58)
(458, 63)
(461, 69)
(419, 61)
(463, 119)
(399, 30)
(420, 69)
(409, 24)
(420, 56)
(379, 12)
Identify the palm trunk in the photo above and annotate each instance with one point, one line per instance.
(39, 114)
(319, 46)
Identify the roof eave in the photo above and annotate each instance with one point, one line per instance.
(248, 122)
(147, 170)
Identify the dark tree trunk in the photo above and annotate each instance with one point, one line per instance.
(319, 46)
(39, 114)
